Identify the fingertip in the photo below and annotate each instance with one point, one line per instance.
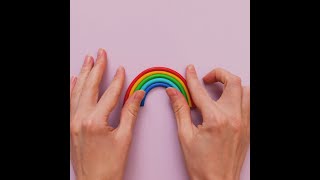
(209, 77)
(139, 95)
(136, 97)
(191, 73)
(120, 72)
(171, 91)
(102, 52)
(121, 68)
(206, 79)
(101, 60)
(175, 96)
(88, 61)
(190, 68)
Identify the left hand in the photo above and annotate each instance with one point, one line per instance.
(99, 151)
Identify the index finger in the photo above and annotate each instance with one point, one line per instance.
(198, 93)
(232, 83)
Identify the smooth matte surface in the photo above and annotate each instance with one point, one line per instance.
(146, 33)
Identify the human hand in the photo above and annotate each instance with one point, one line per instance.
(216, 149)
(98, 151)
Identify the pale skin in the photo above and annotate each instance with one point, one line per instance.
(214, 150)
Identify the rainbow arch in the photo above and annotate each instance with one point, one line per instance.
(158, 77)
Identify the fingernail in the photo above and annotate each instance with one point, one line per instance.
(101, 52)
(191, 67)
(87, 60)
(172, 91)
(120, 68)
(139, 94)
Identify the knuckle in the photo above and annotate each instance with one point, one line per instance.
(75, 93)
(211, 115)
(183, 137)
(85, 69)
(219, 71)
(218, 122)
(74, 129)
(235, 117)
(221, 124)
(225, 122)
(133, 110)
(99, 66)
(75, 119)
(100, 62)
(91, 85)
(178, 107)
(113, 90)
(126, 137)
(92, 92)
(236, 80)
(88, 124)
(236, 123)
(236, 127)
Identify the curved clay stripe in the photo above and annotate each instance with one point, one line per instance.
(137, 82)
(150, 70)
(151, 87)
(170, 78)
(165, 70)
(158, 80)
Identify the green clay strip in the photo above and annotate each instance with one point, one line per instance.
(162, 76)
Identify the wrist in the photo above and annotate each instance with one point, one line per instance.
(212, 176)
(97, 178)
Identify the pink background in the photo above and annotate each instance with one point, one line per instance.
(139, 34)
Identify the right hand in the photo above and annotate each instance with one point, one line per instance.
(217, 148)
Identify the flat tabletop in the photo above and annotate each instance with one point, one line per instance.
(146, 33)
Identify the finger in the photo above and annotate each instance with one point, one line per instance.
(110, 97)
(129, 112)
(246, 107)
(232, 83)
(72, 84)
(90, 93)
(198, 93)
(181, 110)
(77, 90)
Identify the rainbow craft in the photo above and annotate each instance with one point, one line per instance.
(158, 77)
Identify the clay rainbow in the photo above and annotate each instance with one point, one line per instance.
(158, 77)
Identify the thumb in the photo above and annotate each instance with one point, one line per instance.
(130, 111)
(181, 110)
